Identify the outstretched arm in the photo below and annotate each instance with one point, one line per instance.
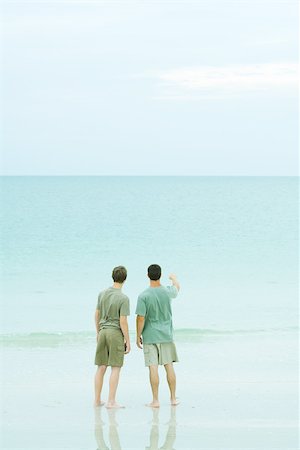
(140, 322)
(174, 280)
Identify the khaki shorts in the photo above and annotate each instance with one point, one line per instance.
(110, 348)
(160, 354)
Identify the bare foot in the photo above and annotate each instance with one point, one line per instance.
(153, 404)
(99, 403)
(175, 402)
(113, 405)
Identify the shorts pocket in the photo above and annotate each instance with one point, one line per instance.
(121, 348)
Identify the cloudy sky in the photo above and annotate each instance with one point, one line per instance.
(191, 87)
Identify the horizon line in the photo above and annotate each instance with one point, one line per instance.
(150, 176)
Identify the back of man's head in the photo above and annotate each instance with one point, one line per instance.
(119, 274)
(154, 272)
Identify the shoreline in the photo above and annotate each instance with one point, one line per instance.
(235, 393)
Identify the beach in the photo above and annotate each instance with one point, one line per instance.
(239, 392)
(232, 241)
(138, 134)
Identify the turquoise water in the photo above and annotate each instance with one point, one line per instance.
(232, 241)
(85, 338)
(233, 244)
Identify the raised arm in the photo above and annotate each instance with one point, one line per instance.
(174, 280)
(124, 328)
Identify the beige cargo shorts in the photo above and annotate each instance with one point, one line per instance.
(160, 354)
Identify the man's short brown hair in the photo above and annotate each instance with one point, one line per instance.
(119, 274)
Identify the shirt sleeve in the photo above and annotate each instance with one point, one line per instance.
(141, 307)
(125, 308)
(98, 302)
(172, 291)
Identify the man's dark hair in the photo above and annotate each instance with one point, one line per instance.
(154, 272)
(119, 274)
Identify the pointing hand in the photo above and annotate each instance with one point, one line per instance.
(172, 277)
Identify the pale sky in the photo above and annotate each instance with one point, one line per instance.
(189, 87)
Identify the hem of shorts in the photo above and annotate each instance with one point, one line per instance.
(161, 364)
(158, 342)
(108, 365)
(110, 328)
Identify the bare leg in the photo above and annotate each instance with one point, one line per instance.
(171, 378)
(99, 376)
(154, 381)
(113, 384)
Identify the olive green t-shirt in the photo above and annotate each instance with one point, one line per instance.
(112, 304)
(155, 305)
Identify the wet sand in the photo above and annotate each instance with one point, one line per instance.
(235, 393)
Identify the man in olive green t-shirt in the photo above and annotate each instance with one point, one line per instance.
(155, 331)
(112, 336)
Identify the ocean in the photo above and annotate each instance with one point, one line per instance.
(233, 243)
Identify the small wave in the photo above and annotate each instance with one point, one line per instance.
(46, 339)
(58, 339)
(219, 331)
(201, 334)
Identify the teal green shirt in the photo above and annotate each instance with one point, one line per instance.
(155, 305)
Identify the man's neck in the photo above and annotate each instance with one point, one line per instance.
(118, 285)
(155, 283)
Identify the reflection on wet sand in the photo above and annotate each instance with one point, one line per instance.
(113, 434)
(171, 431)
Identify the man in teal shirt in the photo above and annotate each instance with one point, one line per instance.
(155, 331)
